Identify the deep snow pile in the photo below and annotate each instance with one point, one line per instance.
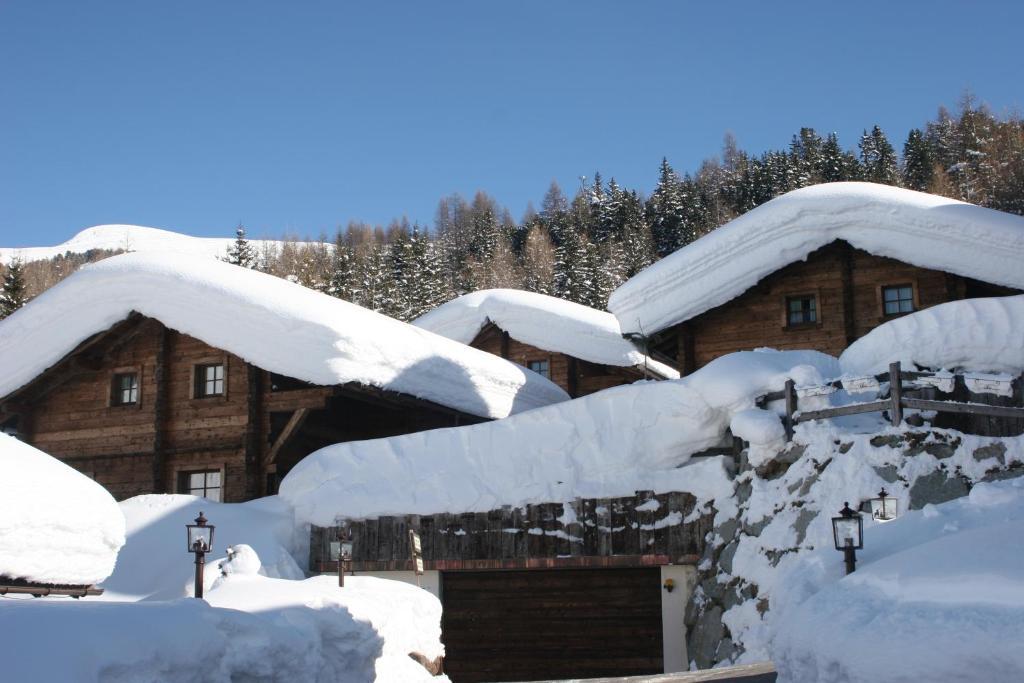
(938, 595)
(543, 321)
(610, 443)
(973, 334)
(272, 323)
(132, 238)
(56, 525)
(259, 621)
(913, 227)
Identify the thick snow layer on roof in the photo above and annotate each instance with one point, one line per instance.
(610, 443)
(130, 238)
(938, 595)
(973, 334)
(920, 229)
(56, 525)
(274, 324)
(543, 321)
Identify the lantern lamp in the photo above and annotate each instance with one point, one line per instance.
(848, 532)
(200, 542)
(884, 507)
(341, 550)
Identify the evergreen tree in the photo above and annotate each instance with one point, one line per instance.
(538, 261)
(343, 277)
(12, 294)
(574, 276)
(666, 212)
(241, 253)
(918, 162)
(835, 164)
(878, 158)
(806, 149)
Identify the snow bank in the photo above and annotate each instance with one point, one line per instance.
(132, 238)
(253, 629)
(543, 321)
(973, 334)
(938, 595)
(274, 324)
(921, 229)
(610, 443)
(154, 565)
(56, 525)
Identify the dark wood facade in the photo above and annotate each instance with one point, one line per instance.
(250, 434)
(577, 377)
(847, 285)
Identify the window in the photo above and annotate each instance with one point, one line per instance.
(125, 389)
(205, 483)
(209, 380)
(540, 367)
(898, 299)
(801, 310)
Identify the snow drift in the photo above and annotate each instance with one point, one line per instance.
(543, 321)
(132, 238)
(272, 323)
(57, 526)
(610, 443)
(973, 334)
(938, 595)
(913, 227)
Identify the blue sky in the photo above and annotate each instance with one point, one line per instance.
(300, 116)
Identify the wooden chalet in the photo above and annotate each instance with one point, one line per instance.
(142, 408)
(818, 268)
(826, 302)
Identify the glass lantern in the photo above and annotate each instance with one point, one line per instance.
(200, 535)
(848, 529)
(884, 507)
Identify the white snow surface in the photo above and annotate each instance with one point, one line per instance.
(913, 227)
(543, 321)
(972, 334)
(272, 323)
(606, 444)
(56, 525)
(938, 595)
(131, 238)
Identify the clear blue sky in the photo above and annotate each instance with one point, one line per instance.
(299, 116)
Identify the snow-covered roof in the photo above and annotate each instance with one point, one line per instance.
(921, 229)
(973, 334)
(57, 526)
(543, 321)
(272, 323)
(610, 443)
(129, 238)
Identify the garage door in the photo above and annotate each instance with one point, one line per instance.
(548, 624)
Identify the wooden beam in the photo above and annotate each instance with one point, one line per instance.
(160, 411)
(896, 393)
(294, 423)
(855, 409)
(791, 407)
(254, 402)
(846, 280)
(964, 408)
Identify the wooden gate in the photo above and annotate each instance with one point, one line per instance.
(551, 624)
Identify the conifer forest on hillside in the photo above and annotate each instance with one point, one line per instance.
(582, 247)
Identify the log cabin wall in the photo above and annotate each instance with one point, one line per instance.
(577, 377)
(248, 436)
(847, 285)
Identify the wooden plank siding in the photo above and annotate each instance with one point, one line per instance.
(594, 532)
(68, 412)
(847, 284)
(576, 376)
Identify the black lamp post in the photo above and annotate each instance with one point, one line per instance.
(200, 542)
(884, 507)
(341, 550)
(848, 531)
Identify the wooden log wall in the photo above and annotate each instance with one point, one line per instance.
(639, 530)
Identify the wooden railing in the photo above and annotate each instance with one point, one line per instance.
(897, 401)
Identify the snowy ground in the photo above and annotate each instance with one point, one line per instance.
(259, 622)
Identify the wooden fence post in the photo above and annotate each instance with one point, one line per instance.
(790, 408)
(896, 394)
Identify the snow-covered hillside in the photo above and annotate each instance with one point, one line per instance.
(130, 238)
(922, 229)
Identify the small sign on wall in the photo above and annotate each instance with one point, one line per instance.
(416, 548)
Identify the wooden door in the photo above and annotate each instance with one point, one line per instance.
(529, 625)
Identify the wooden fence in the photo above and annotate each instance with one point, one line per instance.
(990, 413)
